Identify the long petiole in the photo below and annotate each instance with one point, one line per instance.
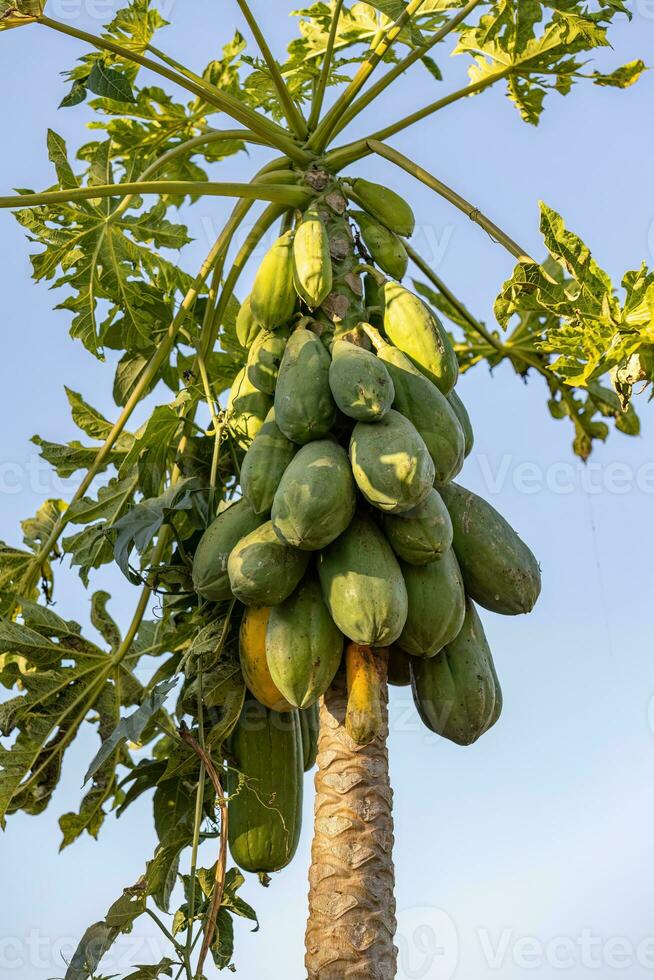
(323, 133)
(277, 193)
(321, 88)
(402, 66)
(450, 195)
(270, 131)
(293, 115)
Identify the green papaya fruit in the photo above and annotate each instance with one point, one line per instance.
(391, 463)
(264, 359)
(386, 249)
(210, 578)
(362, 585)
(399, 667)
(461, 413)
(263, 571)
(247, 327)
(303, 646)
(361, 385)
(304, 407)
(384, 205)
(264, 465)
(273, 294)
(499, 697)
(415, 330)
(316, 497)
(422, 535)
(310, 727)
(265, 810)
(428, 409)
(455, 691)
(312, 263)
(247, 408)
(436, 606)
(499, 570)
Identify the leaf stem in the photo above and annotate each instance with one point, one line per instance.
(279, 193)
(450, 195)
(323, 133)
(274, 134)
(321, 88)
(402, 66)
(293, 115)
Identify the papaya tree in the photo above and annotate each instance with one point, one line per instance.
(290, 503)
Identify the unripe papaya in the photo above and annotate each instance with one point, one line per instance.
(303, 646)
(316, 497)
(361, 385)
(428, 409)
(386, 249)
(461, 413)
(264, 359)
(304, 407)
(455, 691)
(254, 666)
(265, 804)
(273, 295)
(310, 727)
(247, 327)
(362, 585)
(210, 578)
(365, 669)
(414, 329)
(436, 606)
(247, 409)
(422, 535)
(391, 463)
(499, 570)
(312, 263)
(263, 571)
(264, 465)
(399, 667)
(384, 205)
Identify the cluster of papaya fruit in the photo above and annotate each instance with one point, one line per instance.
(351, 547)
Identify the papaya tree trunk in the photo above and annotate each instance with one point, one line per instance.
(351, 902)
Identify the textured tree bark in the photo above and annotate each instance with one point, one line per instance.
(351, 881)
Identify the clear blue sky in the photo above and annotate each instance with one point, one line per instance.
(532, 850)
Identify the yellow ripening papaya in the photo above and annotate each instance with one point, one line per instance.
(273, 294)
(383, 204)
(254, 665)
(415, 330)
(365, 669)
(312, 263)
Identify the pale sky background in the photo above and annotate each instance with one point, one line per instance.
(531, 853)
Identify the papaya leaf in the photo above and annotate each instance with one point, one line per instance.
(100, 937)
(163, 968)
(536, 54)
(132, 727)
(139, 526)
